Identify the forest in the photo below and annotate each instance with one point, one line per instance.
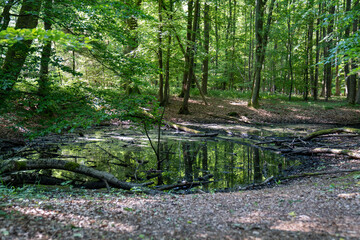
(196, 119)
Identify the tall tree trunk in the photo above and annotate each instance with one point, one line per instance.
(190, 72)
(46, 53)
(188, 49)
(251, 52)
(289, 44)
(167, 65)
(306, 70)
(261, 42)
(327, 66)
(5, 16)
(217, 40)
(317, 57)
(310, 46)
(205, 77)
(355, 76)
(129, 49)
(160, 54)
(17, 53)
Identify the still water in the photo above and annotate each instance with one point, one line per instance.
(130, 157)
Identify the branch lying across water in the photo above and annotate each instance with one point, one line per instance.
(11, 166)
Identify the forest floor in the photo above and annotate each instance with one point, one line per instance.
(316, 207)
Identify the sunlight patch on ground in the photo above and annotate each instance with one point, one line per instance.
(305, 225)
(81, 221)
(238, 103)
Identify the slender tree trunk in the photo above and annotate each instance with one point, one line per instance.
(160, 54)
(251, 40)
(17, 53)
(188, 49)
(310, 47)
(130, 47)
(185, 106)
(317, 58)
(167, 65)
(355, 76)
(306, 70)
(261, 42)
(46, 53)
(289, 44)
(327, 66)
(205, 76)
(217, 40)
(5, 16)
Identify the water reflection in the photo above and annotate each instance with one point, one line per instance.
(230, 163)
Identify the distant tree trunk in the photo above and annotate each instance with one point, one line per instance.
(188, 49)
(17, 53)
(46, 53)
(167, 65)
(160, 55)
(5, 16)
(251, 52)
(354, 77)
(306, 70)
(289, 45)
(310, 60)
(130, 47)
(327, 66)
(205, 77)
(217, 40)
(261, 42)
(190, 71)
(317, 58)
(233, 47)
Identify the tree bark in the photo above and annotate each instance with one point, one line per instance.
(160, 54)
(17, 53)
(328, 63)
(261, 42)
(204, 82)
(317, 58)
(46, 53)
(187, 84)
(5, 16)
(11, 166)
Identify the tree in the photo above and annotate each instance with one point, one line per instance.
(17, 53)
(205, 77)
(46, 53)
(190, 52)
(261, 43)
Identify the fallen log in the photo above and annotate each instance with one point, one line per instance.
(329, 131)
(11, 166)
(204, 135)
(319, 173)
(308, 151)
(181, 128)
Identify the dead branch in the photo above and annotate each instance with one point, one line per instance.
(330, 131)
(319, 173)
(11, 166)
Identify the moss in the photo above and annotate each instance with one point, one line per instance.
(20, 165)
(71, 166)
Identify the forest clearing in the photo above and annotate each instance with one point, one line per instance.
(179, 119)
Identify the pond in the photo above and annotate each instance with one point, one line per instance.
(227, 162)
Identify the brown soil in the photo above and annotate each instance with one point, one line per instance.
(318, 207)
(271, 111)
(325, 207)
